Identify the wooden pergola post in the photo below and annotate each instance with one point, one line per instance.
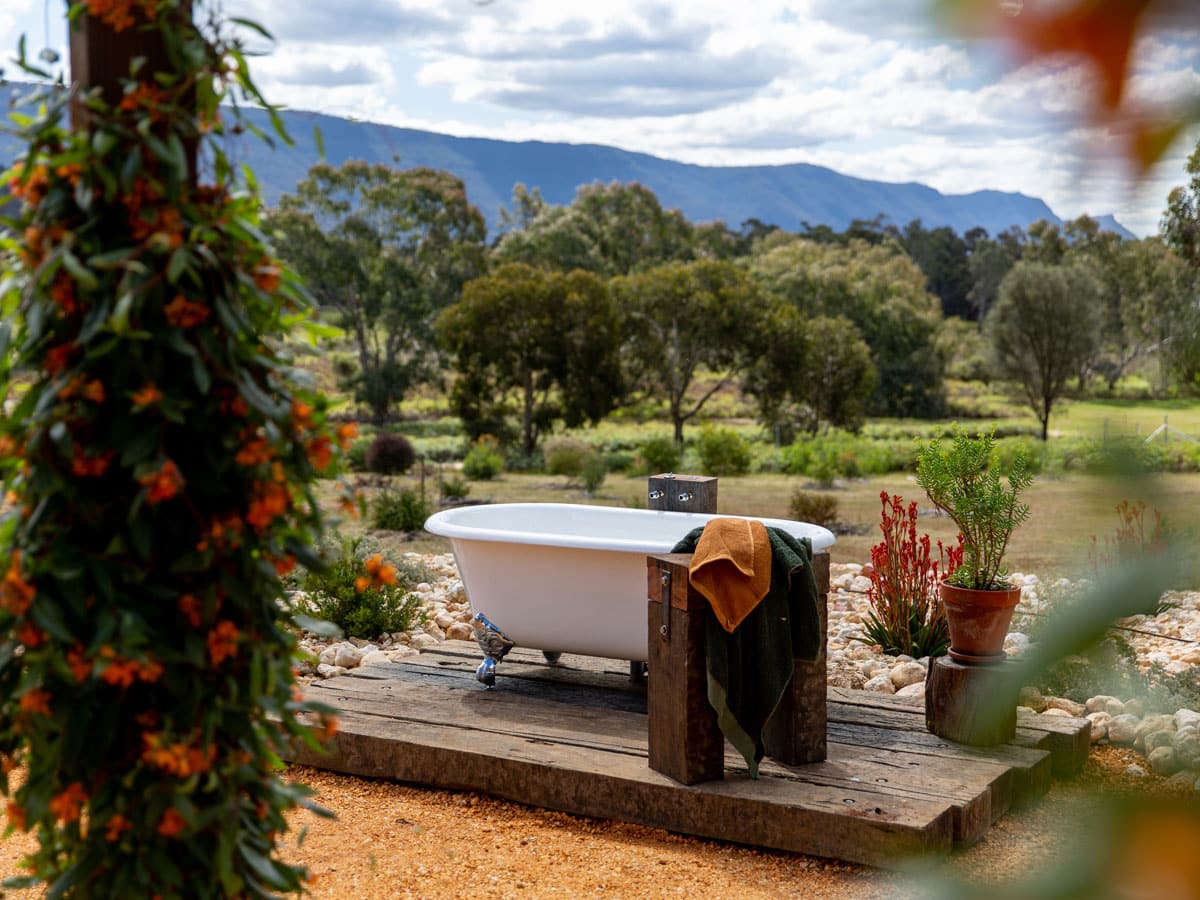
(100, 57)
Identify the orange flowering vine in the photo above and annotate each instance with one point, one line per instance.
(116, 826)
(346, 434)
(148, 349)
(68, 805)
(147, 395)
(36, 702)
(30, 635)
(90, 465)
(190, 608)
(164, 484)
(179, 759)
(171, 823)
(270, 501)
(16, 816)
(223, 642)
(81, 666)
(183, 313)
(16, 594)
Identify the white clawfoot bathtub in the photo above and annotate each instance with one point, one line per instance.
(570, 578)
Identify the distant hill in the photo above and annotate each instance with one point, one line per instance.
(786, 195)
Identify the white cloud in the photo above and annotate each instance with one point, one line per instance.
(870, 88)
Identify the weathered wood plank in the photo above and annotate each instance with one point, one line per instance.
(860, 825)
(531, 666)
(1067, 739)
(530, 690)
(1030, 767)
(978, 791)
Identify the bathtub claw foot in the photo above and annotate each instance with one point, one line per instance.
(495, 646)
(552, 656)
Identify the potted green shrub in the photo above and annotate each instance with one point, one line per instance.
(964, 481)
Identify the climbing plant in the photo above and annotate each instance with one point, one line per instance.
(158, 463)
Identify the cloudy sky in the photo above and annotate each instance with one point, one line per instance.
(868, 87)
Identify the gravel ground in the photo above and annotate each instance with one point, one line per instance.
(393, 841)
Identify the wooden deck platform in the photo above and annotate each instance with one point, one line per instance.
(572, 737)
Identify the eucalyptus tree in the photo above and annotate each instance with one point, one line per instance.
(1046, 322)
(538, 345)
(610, 229)
(387, 249)
(882, 292)
(684, 317)
(809, 372)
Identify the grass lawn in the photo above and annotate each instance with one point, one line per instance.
(1089, 418)
(1066, 512)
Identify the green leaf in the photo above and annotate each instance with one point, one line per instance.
(61, 435)
(319, 140)
(200, 375)
(48, 616)
(119, 321)
(111, 259)
(253, 26)
(141, 537)
(140, 447)
(103, 141)
(263, 868)
(180, 262)
(79, 271)
(317, 809)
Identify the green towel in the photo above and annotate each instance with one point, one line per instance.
(749, 669)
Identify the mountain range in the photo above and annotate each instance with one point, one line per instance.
(783, 195)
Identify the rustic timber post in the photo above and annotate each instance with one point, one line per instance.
(682, 493)
(971, 704)
(685, 741)
(100, 58)
(795, 733)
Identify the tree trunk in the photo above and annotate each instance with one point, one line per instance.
(677, 419)
(1045, 417)
(528, 441)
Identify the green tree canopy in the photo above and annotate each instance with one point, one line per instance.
(610, 229)
(989, 262)
(1045, 324)
(544, 345)
(942, 256)
(1145, 294)
(882, 292)
(1181, 222)
(810, 372)
(388, 249)
(684, 316)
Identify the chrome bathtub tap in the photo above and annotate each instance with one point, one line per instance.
(495, 646)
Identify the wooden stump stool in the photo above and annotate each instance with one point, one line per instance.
(974, 705)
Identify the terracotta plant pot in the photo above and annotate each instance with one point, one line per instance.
(978, 622)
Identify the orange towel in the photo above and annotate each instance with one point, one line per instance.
(731, 568)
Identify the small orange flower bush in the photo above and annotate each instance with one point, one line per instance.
(159, 471)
